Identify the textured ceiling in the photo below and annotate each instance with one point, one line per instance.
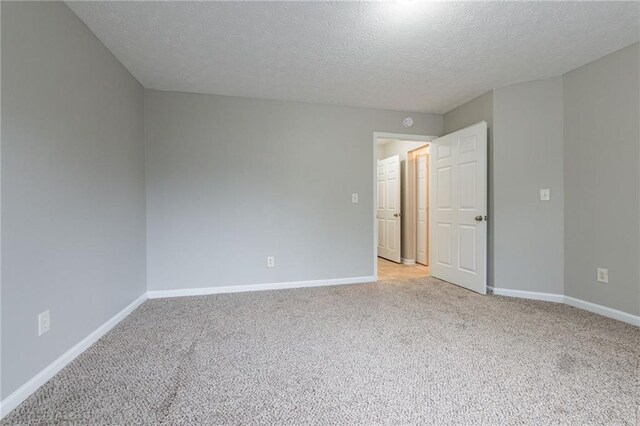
(426, 57)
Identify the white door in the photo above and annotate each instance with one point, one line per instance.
(388, 214)
(421, 209)
(458, 208)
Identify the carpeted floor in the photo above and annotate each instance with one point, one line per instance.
(397, 352)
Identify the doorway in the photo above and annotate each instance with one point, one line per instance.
(399, 210)
(455, 216)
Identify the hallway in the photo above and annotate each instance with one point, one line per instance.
(388, 270)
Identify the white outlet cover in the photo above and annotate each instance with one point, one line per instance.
(354, 198)
(602, 275)
(545, 194)
(44, 322)
(271, 262)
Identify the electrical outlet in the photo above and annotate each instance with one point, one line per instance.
(44, 322)
(602, 275)
(545, 194)
(354, 198)
(271, 262)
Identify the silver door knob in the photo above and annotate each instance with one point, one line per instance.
(396, 215)
(478, 218)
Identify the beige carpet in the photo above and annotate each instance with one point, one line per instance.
(411, 352)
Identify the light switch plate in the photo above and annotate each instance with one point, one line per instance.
(44, 322)
(545, 194)
(354, 198)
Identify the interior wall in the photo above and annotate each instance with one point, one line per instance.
(465, 115)
(527, 156)
(73, 203)
(407, 203)
(602, 180)
(593, 217)
(231, 181)
(472, 112)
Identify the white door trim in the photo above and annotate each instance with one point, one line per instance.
(374, 183)
(571, 301)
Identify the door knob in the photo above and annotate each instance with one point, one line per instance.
(396, 215)
(478, 218)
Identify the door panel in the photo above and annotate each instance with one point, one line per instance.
(467, 186)
(421, 209)
(466, 244)
(459, 207)
(391, 235)
(444, 244)
(388, 209)
(443, 187)
(381, 234)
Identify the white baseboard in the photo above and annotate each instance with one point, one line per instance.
(603, 310)
(156, 294)
(408, 261)
(571, 301)
(24, 391)
(547, 297)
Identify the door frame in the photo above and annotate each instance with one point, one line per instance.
(374, 181)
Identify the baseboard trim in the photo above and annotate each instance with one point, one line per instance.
(603, 310)
(24, 391)
(157, 294)
(408, 261)
(534, 295)
(571, 301)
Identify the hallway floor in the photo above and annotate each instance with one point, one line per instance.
(388, 270)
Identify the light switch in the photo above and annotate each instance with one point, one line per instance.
(354, 198)
(545, 194)
(44, 322)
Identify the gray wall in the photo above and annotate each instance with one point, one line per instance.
(601, 175)
(73, 206)
(579, 135)
(472, 112)
(527, 156)
(407, 184)
(231, 181)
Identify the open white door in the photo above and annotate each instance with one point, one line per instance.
(388, 209)
(421, 207)
(458, 208)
